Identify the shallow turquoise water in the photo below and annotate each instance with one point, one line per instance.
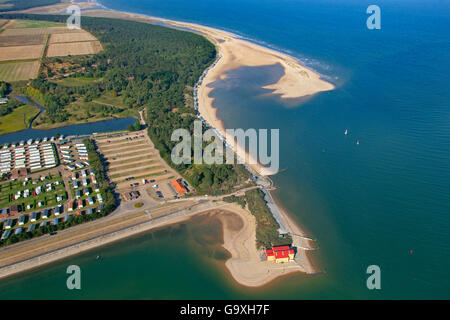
(366, 204)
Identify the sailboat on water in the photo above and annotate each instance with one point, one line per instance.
(346, 132)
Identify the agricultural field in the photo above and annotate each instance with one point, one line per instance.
(19, 24)
(6, 41)
(37, 31)
(72, 37)
(21, 52)
(17, 71)
(73, 48)
(18, 119)
(28, 40)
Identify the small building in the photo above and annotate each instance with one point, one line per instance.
(179, 187)
(16, 173)
(14, 209)
(280, 254)
(70, 206)
(9, 223)
(31, 228)
(45, 214)
(34, 217)
(22, 220)
(80, 203)
(6, 234)
(91, 201)
(58, 210)
(78, 194)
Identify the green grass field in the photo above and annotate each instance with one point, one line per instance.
(17, 71)
(76, 82)
(18, 119)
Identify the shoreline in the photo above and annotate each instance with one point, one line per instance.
(232, 54)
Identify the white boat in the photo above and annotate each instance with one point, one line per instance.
(346, 132)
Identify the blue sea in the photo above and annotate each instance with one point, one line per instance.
(384, 202)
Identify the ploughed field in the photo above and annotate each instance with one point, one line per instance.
(25, 43)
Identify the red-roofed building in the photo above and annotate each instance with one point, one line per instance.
(280, 254)
(179, 187)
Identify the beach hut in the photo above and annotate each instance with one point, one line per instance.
(18, 231)
(80, 203)
(90, 211)
(91, 201)
(100, 207)
(45, 214)
(99, 198)
(34, 217)
(78, 194)
(43, 224)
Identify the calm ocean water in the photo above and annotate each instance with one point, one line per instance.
(385, 202)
